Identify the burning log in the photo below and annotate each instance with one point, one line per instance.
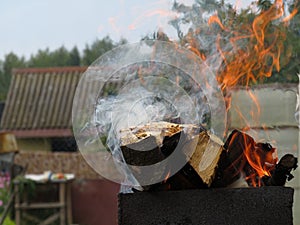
(231, 161)
(210, 164)
(282, 171)
(256, 161)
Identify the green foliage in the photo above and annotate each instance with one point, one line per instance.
(11, 61)
(4, 195)
(290, 58)
(97, 48)
(26, 183)
(264, 4)
(57, 58)
(74, 57)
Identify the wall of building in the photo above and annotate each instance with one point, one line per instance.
(34, 144)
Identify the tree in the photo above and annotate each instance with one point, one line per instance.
(96, 49)
(74, 57)
(57, 58)
(41, 59)
(10, 62)
(60, 57)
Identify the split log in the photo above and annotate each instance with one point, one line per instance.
(206, 156)
(151, 143)
(232, 159)
(209, 162)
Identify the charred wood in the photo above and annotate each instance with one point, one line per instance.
(282, 171)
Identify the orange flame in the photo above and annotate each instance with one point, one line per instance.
(246, 64)
(255, 52)
(261, 161)
(289, 17)
(215, 19)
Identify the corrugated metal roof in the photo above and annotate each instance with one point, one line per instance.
(41, 99)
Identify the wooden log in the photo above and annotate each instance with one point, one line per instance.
(243, 156)
(206, 156)
(210, 163)
(143, 152)
(282, 171)
(151, 143)
(232, 159)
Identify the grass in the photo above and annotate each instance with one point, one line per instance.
(8, 221)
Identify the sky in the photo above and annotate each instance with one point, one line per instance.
(27, 26)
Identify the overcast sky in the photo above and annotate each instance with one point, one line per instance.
(29, 25)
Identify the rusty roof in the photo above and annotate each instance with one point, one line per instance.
(39, 101)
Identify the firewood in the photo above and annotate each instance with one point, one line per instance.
(151, 143)
(209, 162)
(240, 148)
(206, 156)
(143, 152)
(147, 144)
(282, 171)
(232, 160)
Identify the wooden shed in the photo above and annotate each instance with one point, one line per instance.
(38, 111)
(38, 108)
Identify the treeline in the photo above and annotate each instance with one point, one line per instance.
(56, 58)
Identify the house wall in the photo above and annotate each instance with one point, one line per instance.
(276, 122)
(34, 144)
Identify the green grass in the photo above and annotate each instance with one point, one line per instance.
(8, 221)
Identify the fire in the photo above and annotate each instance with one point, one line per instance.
(248, 55)
(255, 52)
(262, 162)
(215, 19)
(255, 60)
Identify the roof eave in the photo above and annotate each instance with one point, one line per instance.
(41, 133)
